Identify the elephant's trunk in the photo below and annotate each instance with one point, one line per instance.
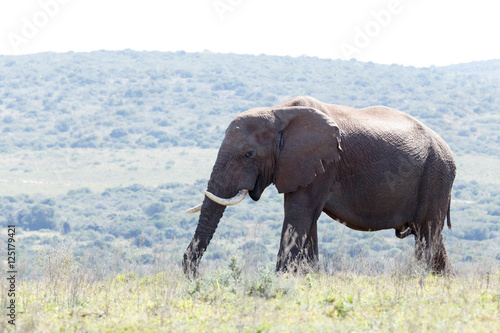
(211, 213)
(221, 185)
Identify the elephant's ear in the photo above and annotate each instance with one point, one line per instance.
(309, 141)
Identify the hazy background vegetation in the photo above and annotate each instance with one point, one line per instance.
(104, 151)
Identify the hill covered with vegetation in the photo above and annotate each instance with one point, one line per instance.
(106, 150)
(133, 99)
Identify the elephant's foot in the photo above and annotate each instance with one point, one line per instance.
(297, 268)
(434, 257)
(302, 263)
(441, 264)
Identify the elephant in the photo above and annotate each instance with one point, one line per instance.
(369, 168)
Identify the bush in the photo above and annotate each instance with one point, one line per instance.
(49, 202)
(183, 73)
(476, 233)
(88, 142)
(66, 228)
(143, 240)
(154, 208)
(93, 226)
(109, 238)
(494, 211)
(135, 232)
(62, 126)
(118, 133)
(37, 217)
(171, 233)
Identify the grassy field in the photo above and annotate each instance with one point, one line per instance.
(233, 297)
(72, 294)
(53, 172)
(480, 168)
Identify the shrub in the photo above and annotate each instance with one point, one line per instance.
(135, 232)
(49, 202)
(62, 126)
(170, 233)
(154, 208)
(476, 233)
(118, 133)
(160, 224)
(494, 211)
(66, 228)
(37, 217)
(109, 238)
(143, 240)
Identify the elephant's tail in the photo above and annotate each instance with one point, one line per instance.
(448, 220)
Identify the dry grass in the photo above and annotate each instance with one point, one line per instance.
(234, 297)
(54, 172)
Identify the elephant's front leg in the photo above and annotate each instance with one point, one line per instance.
(298, 249)
(299, 236)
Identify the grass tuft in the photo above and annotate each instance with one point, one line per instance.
(74, 296)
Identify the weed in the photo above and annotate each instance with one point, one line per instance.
(231, 298)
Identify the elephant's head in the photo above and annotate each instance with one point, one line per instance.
(287, 146)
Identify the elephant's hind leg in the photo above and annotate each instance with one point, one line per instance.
(429, 248)
(429, 244)
(441, 263)
(433, 207)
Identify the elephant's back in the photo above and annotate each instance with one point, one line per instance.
(384, 134)
(379, 120)
(406, 132)
(382, 160)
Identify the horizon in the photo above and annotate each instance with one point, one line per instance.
(402, 32)
(247, 54)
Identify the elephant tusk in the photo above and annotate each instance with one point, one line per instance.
(194, 209)
(228, 202)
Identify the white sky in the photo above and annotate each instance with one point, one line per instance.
(408, 32)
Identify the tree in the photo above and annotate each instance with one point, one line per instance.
(154, 208)
(37, 217)
(66, 228)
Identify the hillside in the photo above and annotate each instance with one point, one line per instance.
(147, 100)
(105, 150)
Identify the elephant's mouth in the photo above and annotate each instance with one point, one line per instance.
(255, 193)
(257, 190)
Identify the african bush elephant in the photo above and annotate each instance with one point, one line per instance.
(370, 169)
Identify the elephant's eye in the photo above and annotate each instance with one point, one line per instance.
(250, 154)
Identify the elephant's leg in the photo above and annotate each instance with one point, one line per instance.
(433, 203)
(299, 252)
(441, 264)
(311, 246)
(422, 245)
(299, 245)
(299, 237)
(429, 244)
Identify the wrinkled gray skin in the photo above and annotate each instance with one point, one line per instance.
(371, 169)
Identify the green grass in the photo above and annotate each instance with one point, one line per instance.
(241, 298)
